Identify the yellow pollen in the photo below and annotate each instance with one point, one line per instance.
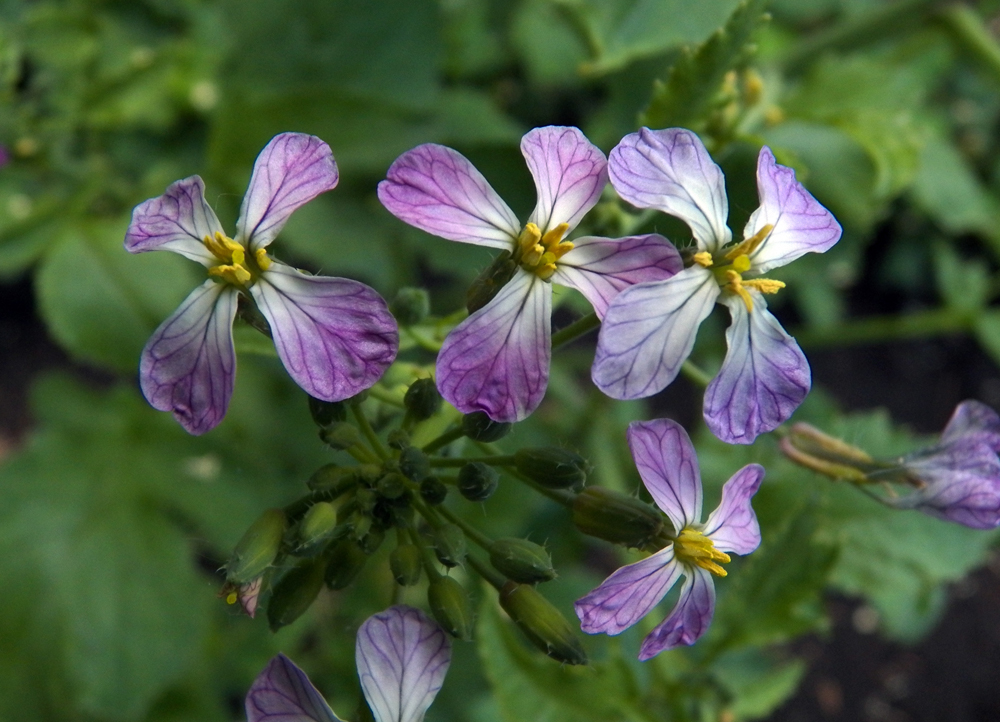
(736, 286)
(231, 597)
(233, 267)
(750, 245)
(693, 547)
(263, 262)
(703, 259)
(765, 285)
(539, 253)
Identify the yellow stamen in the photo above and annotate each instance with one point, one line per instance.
(736, 286)
(235, 274)
(263, 262)
(702, 258)
(750, 245)
(693, 547)
(765, 285)
(529, 238)
(539, 253)
(233, 267)
(222, 247)
(231, 597)
(741, 264)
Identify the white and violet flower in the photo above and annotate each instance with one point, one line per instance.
(668, 467)
(649, 329)
(335, 336)
(497, 360)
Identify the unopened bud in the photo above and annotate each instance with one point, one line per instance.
(490, 281)
(809, 447)
(325, 413)
(294, 593)
(522, 560)
(422, 399)
(365, 499)
(360, 524)
(410, 306)
(477, 481)
(615, 517)
(258, 548)
(398, 439)
(433, 490)
(334, 479)
(392, 485)
(449, 603)
(542, 623)
(480, 427)
(371, 541)
(551, 467)
(344, 561)
(449, 545)
(316, 526)
(340, 435)
(413, 463)
(406, 564)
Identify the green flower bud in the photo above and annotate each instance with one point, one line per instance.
(360, 524)
(542, 623)
(410, 306)
(477, 481)
(551, 467)
(371, 541)
(365, 499)
(422, 399)
(334, 479)
(480, 427)
(317, 526)
(433, 490)
(449, 545)
(325, 413)
(490, 281)
(344, 562)
(522, 560)
(413, 463)
(258, 548)
(615, 517)
(450, 605)
(398, 439)
(340, 435)
(391, 486)
(406, 564)
(295, 592)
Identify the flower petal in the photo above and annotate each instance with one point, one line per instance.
(283, 693)
(177, 221)
(569, 171)
(292, 169)
(668, 466)
(801, 223)
(402, 660)
(497, 360)
(764, 377)
(439, 191)
(189, 364)
(689, 619)
(670, 170)
(973, 417)
(600, 268)
(649, 330)
(733, 526)
(629, 594)
(335, 336)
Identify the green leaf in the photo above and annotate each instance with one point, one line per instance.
(987, 330)
(758, 681)
(947, 189)
(683, 98)
(963, 283)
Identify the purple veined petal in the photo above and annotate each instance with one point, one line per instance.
(668, 466)
(248, 595)
(497, 360)
(176, 221)
(733, 526)
(801, 223)
(649, 330)
(600, 268)
(292, 169)
(335, 336)
(569, 171)
(402, 660)
(189, 363)
(629, 594)
(671, 171)
(688, 620)
(763, 379)
(973, 417)
(283, 693)
(437, 190)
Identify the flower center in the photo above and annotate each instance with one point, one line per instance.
(730, 266)
(693, 547)
(538, 253)
(235, 267)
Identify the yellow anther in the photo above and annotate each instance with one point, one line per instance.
(237, 275)
(741, 264)
(765, 285)
(221, 246)
(539, 253)
(263, 262)
(693, 547)
(702, 258)
(745, 248)
(735, 285)
(529, 238)
(231, 597)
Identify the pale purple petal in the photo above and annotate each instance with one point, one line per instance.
(189, 363)
(689, 619)
(801, 223)
(497, 360)
(763, 379)
(439, 191)
(671, 171)
(629, 594)
(177, 221)
(292, 169)
(668, 466)
(402, 660)
(249, 594)
(733, 526)
(600, 268)
(335, 336)
(283, 693)
(569, 171)
(649, 330)
(973, 418)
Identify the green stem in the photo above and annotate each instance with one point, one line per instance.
(422, 341)
(443, 440)
(879, 329)
(972, 36)
(566, 498)
(474, 534)
(362, 455)
(575, 330)
(495, 578)
(379, 393)
(695, 374)
(369, 432)
(425, 555)
(491, 460)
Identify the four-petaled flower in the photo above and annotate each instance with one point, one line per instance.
(497, 360)
(649, 329)
(669, 468)
(335, 336)
(402, 659)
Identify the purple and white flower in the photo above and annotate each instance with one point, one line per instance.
(497, 360)
(649, 329)
(335, 336)
(402, 659)
(668, 467)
